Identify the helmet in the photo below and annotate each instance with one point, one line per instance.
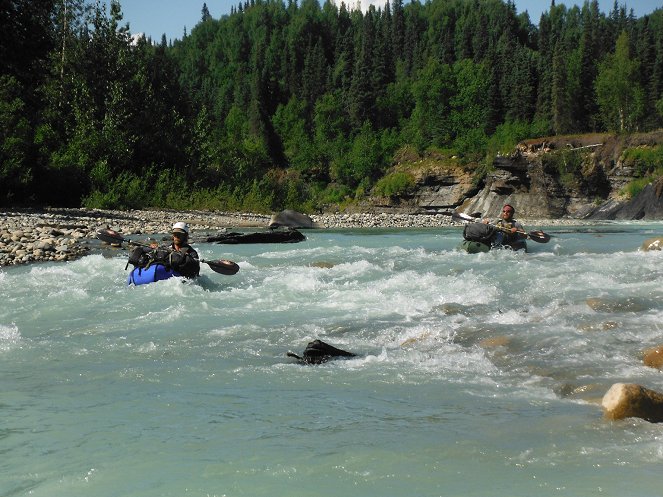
(181, 228)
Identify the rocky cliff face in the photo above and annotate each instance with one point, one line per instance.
(578, 177)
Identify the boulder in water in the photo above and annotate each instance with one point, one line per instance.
(291, 219)
(614, 305)
(322, 264)
(655, 243)
(654, 357)
(494, 342)
(318, 352)
(628, 400)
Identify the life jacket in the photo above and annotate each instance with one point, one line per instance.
(184, 262)
(507, 225)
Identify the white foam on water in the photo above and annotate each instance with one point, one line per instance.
(10, 337)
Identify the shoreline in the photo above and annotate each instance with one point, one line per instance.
(62, 234)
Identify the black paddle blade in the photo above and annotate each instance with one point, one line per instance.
(539, 236)
(110, 236)
(223, 267)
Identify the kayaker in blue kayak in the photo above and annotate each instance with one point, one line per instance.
(154, 262)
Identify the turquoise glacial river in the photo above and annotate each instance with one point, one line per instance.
(476, 375)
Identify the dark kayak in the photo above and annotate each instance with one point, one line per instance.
(472, 247)
(268, 236)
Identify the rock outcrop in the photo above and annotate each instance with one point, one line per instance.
(534, 192)
(581, 177)
(440, 188)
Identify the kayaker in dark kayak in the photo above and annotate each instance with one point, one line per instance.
(510, 232)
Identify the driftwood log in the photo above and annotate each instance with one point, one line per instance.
(628, 400)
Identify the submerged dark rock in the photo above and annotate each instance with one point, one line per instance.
(317, 352)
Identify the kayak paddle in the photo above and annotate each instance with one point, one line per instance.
(221, 266)
(536, 235)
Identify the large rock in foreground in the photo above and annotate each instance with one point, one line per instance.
(628, 400)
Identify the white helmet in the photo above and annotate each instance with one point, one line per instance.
(181, 228)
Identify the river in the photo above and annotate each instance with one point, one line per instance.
(476, 375)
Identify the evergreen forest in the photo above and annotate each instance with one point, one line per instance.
(299, 104)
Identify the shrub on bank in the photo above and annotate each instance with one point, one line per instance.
(394, 184)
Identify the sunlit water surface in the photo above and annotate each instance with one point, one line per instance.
(476, 375)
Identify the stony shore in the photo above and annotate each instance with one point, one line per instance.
(52, 234)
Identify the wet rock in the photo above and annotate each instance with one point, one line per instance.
(605, 326)
(451, 308)
(414, 340)
(628, 400)
(653, 357)
(655, 243)
(317, 352)
(489, 343)
(322, 264)
(587, 392)
(607, 304)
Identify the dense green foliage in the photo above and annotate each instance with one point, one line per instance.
(301, 105)
(394, 184)
(646, 161)
(647, 165)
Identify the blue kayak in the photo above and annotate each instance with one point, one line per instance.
(150, 274)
